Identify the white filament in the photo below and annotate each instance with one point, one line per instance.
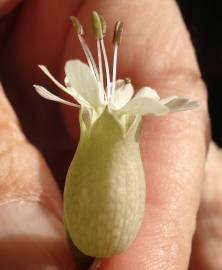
(100, 62)
(89, 57)
(106, 67)
(114, 68)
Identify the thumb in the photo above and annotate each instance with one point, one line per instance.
(31, 229)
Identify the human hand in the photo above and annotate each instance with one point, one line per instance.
(156, 51)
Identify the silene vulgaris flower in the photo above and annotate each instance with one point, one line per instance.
(104, 193)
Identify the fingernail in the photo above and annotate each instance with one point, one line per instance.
(31, 237)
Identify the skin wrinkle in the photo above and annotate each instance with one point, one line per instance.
(160, 62)
(41, 241)
(157, 262)
(207, 240)
(27, 189)
(13, 146)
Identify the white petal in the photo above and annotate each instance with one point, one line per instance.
(71, 91)
(177, 104)
(46, 71)
(168, 99)
(119, 83)
(147, 92)
(67, 83)
(48, 95)
(122, 95)
(188, 106)
(145, 106)
(80, 77)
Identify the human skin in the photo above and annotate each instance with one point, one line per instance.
(155, 51)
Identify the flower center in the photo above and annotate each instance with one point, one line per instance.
(99, 29)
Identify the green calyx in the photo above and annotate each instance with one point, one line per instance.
(104, 194)
(124, 124)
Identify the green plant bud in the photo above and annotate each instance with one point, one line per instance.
(104, 194)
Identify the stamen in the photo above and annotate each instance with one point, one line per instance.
(99, 29)
(127, 80)
(117, 33)
(77, 25)
(106, 68)
(97, 24)
(93, 66)
(116, 41)
(103, 24)
(100, 62)
(89, 57)
(115, 55)
(80, 31)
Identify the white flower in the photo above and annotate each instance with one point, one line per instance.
(104, 196)
(88, 92)
(84, 83)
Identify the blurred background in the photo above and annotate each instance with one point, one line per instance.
(204, 21)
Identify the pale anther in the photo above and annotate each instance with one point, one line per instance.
(117, 33)
(97, 25)
(77, 25)
(127, 80)
(104, 24)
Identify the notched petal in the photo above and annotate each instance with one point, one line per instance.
(177, 104)
(168, 99)
(71, 91)
(147, 92)
(122, 95)
(145, 106)
(57, 83)
(48, 95)
(80, 77)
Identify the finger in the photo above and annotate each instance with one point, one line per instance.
(31, 230)
(160, 55)
(207, 244)
(7, 6)
(36, 35)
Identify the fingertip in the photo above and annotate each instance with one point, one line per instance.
(32, 237)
